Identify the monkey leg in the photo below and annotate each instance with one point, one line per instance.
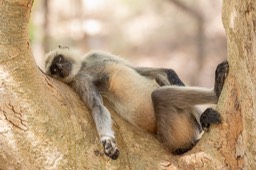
(178, 121)
(177, 127)
(220, 76)
(183, 97)
(162, 76)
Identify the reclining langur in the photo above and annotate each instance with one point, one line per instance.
(154, 99)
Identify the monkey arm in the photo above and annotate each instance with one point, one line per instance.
(162, 76)
(101, 115)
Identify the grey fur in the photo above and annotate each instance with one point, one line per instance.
(136, 94)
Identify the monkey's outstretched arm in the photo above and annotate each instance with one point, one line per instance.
(163, 76)
(102, 118)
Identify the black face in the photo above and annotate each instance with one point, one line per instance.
(60, 67)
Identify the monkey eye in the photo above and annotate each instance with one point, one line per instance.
(54, 70)
(58, 58)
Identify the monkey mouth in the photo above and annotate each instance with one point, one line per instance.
(64, 73)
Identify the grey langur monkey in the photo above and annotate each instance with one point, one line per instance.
(154, 99)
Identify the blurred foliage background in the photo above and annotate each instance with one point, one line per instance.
(186, 35)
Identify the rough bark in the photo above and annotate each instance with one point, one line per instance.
(231, 145)
(239, 18)
(44, 125)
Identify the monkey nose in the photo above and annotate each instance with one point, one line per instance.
(59, 65)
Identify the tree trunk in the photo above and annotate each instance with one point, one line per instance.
(44, 125)
(232, 145)
(239, 149)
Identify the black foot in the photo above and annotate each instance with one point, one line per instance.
(174, 78)
(208, 117)
(220, 76)
(110, 148)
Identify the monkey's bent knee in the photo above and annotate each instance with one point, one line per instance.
(156, 95)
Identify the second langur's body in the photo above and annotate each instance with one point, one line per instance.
(142, 96)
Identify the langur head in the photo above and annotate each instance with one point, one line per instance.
(63, 64)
